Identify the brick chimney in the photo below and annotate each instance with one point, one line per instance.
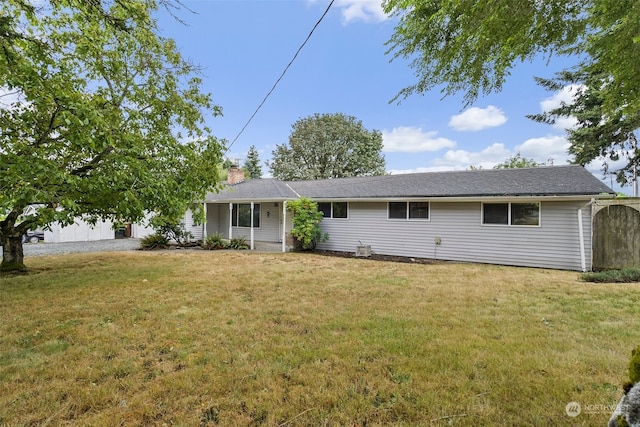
(235, 175)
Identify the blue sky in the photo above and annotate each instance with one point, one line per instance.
(243, 47)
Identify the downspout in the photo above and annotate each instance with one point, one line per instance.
(252, 246)
(583, 256)
(230, 221)
(284, 226)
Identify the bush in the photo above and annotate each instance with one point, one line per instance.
(625, 275)
(634, 366)
(154, 241)
(174, 231)
(238, 243)
(215, 241)
(306, 224)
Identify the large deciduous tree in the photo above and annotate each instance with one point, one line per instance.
(517, 162)
(471, 46)
(328, 146)
(100, 118)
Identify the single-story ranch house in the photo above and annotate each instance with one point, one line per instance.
(538, 217)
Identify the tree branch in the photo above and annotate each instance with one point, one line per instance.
(93, 162)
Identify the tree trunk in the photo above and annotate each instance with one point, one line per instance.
(12, 253)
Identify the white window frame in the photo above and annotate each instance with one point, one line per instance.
(236, 208)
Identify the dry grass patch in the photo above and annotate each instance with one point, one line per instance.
(206, 338)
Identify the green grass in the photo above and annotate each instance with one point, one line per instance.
(240, 338)
(625, 275)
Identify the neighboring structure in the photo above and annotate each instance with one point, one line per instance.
(538, 217)
(82, 231)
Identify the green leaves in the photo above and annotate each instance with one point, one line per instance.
(471, 46)
(306, 223)
(328, 146)
(598, 134)
(517, 161)
(105, 102)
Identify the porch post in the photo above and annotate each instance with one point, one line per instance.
(204, 224)
(230, 221)
(284, 226)
(252, 226)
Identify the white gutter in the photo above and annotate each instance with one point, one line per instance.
(514, 199)
(583, 257)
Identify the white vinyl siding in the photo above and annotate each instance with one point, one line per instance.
(189, 225)
(554, 243)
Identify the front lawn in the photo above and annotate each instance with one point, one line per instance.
(239, 338)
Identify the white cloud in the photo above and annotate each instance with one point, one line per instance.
(463, 159)
(564, 96)
(552, 148)
(408, 139)
(478, 118)
(419, 170)
(363, 10)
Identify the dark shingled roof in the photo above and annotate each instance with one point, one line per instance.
(571, 180)
(254, 189)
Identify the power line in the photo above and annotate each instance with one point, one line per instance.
(280, 78)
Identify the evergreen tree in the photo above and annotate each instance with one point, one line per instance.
(252, 163)
(597, 134)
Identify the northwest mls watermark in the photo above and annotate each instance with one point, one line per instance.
(573, 409)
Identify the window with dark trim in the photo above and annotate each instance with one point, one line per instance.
(325, 208)
(333, 209)
(339, 209)
(527, 214)
(241, 215)
(408, 210)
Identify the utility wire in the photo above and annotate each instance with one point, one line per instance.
(280, 78)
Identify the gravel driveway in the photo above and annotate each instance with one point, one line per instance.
(44, 248)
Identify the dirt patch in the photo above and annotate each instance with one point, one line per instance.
(380, 257)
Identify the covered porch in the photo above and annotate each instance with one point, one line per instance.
(254, 209)
(263, 224)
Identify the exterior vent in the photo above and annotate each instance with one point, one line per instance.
(363, 250)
